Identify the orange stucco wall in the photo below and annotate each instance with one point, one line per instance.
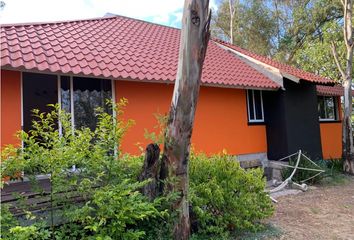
(221, 118)
(331, 136)
(331, 140)
(10, 106)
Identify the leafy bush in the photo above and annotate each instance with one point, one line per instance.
(224, 197)
(101, 199)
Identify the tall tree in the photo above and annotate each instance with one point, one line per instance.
(250, 26)
(276, 28)
(301, 21)
(346, 72)
(194, 41)
(316, 55)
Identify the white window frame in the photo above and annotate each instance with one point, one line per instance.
(254, 107)
(336, 113)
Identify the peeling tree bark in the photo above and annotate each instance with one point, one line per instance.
(347, 137)
(348, 152)
(194, 40)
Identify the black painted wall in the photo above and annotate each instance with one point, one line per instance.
(291, 118)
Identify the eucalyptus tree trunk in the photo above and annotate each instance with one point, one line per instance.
(348, 148)
(193, 45)
(347, 140)
(232, 8)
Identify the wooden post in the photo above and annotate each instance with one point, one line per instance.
(193, 45)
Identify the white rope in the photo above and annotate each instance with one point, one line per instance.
(310, 160)
(307, 169)
(287, 157)
(303, 186)
(312, 177)
(286, 182)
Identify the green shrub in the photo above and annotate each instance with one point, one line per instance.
(114, 211)
(110, 207)
(224, 197)
(32, 232)
(335, 165)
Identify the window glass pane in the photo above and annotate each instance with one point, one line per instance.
(39, 90)
(321, 108)
(329, 105)
(335, 108)
(250, 105)
(89, 94)
(65, 93)
(258, 104)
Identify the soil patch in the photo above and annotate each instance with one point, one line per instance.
(326, 212)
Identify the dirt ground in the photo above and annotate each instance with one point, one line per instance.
(326, 212)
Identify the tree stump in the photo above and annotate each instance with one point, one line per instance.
(151, 171)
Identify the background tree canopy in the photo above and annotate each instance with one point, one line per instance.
(297, 32)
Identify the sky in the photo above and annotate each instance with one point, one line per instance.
(165, 12)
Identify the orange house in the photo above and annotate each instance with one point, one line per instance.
(248, 104)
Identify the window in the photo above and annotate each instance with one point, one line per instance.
(327, 108)
(38, 91)
(81, 96)
(255, 106)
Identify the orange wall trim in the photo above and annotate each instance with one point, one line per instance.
(221, 118)
(10, 106)
(331, 139)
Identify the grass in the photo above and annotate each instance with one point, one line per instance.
(268, 231)
(334, 179)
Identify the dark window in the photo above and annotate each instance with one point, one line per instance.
(327, 108)
(65, 93)
(255, 106)
(85, 95)
(38, 90)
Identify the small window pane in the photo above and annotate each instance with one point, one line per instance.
(39, 90)
(327, 108)
(258, 105)
(250, 104)
(329, 105)
(321, 108)
(65, 93)
(335, 108)
(89, 94)
(255, 107)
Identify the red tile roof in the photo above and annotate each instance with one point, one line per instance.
(117, 47)
(282, 67)
(336, 90)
